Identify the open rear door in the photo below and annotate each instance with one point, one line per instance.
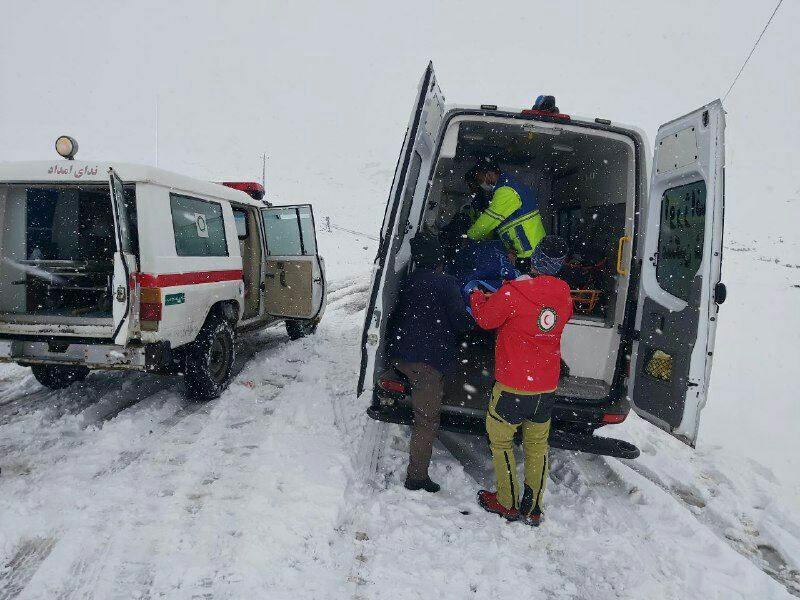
(680, 285)
(293, 278)
(407, 189)
(123, 301)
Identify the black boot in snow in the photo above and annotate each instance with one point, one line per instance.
(534, 519)
(422, 484)
(530, 515)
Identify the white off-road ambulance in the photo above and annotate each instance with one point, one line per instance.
(644, 267)
(119, 266)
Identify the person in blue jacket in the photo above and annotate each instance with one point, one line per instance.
(424, 347)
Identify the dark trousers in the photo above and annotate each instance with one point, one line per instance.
(426, 398)
(523, 265)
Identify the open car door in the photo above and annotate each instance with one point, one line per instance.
(680, 287)
(408, 189)
(123, 301)
(293, 277)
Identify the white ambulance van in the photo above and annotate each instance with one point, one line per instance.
(646, 251)
(119, 266)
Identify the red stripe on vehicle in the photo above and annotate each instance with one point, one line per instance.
(195, 278)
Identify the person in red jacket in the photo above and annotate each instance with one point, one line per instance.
(529, 314)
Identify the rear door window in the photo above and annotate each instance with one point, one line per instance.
(198, 225)
(680, 239)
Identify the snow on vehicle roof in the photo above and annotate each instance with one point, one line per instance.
(75, 171)
(577, 119)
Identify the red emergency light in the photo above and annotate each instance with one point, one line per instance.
(532, 112)
(251, 188)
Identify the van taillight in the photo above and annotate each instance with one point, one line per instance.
(150, 308)
(392, 385)
(611, 419)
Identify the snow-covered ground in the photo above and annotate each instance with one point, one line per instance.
(283, 488)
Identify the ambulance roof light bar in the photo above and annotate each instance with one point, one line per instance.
(251, 188)
(545, 107)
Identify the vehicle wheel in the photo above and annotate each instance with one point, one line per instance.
(57, 377)
(298, 329)
(209, 360)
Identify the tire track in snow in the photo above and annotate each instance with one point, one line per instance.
(23, 565)
(90, 558)
(84, 572)
(183, 508)
(763, 554)
(366, 484)
(615, 490)
(53, 405)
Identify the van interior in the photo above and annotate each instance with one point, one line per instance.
(57, 247)
(585, 181)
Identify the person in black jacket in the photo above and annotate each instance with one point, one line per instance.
(424, 347)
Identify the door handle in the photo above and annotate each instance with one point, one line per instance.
(720, 293)
(620, 245)
(283, 278)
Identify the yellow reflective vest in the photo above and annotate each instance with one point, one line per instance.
(513, 213)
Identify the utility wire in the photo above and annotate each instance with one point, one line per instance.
(763, 31)
(353, 232)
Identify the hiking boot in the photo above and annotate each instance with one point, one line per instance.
(422, 484)
(533, 519)
(489, 503)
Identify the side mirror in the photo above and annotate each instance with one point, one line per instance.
(720, 293)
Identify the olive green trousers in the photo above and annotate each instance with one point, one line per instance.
(510, 410)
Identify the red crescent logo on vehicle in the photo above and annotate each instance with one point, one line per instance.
(547, 319)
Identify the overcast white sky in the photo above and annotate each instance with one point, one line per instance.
(327, 87)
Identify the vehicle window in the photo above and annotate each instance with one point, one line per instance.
(680, 238)
(199, 228)
(71, 222)
(307, 229)
(282, 229)
(240, 218)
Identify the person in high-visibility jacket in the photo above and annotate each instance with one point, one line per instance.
(512, 214)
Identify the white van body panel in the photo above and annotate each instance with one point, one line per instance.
(75, 171)
(408, 189)
(160, 263)
(689, 151)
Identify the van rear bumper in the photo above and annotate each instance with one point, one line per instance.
(561, 434)
(95, 356)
